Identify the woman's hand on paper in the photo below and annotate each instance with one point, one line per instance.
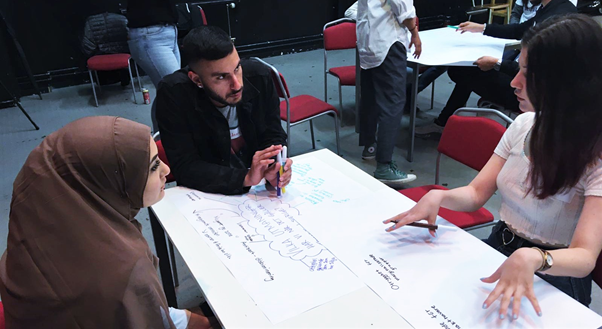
(471, 27)
(515, 281)
(261, 160)
(427, 208)
(285, 179)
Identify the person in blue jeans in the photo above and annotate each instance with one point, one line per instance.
(153, 39)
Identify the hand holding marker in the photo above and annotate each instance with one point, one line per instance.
(281, 158)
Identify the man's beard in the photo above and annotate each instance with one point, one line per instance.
(214, 96)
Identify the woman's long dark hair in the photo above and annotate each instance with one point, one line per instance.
(564, 84)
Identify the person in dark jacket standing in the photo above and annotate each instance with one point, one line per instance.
(220, 127)
(491, 78)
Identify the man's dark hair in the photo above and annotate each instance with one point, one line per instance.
(206, 43)
(564, 84)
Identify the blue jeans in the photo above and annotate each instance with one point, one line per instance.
(155, 49)
(578, 288)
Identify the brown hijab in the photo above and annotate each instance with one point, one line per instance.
(76, 257)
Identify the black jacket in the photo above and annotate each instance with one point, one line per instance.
(196, 136)
(105, 34)
(516, 31)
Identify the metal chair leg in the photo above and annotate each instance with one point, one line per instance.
(98, 81)
(432, 95)
(336, 131)
(93, 89)
(174, 269)
(325, 87)
(132, 82)
(340, 101)
(311, 129)
(138, 76)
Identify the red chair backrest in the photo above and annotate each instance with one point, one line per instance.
(277, 85)
(203, 15)
(163, 157)
(470, 140)
(340, 36)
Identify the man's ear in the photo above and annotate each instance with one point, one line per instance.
(195, 78)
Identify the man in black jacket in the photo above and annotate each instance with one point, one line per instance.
(220, 128)
(491, 80)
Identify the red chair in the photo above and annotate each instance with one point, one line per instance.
(109, 63)
(339, 34)
(157, 137)
(471, 141)
(302, 108)
(2, 324)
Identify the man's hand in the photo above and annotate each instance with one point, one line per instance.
(415, 41)
(272, 171)
(486, 63)
(471, 27)
(261, 161)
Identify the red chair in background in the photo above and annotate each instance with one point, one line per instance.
(338, 35)
(111, 62)
(157, 137)
(471, 141)
(170, 178)
(302, 108)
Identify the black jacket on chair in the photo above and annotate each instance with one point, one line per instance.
(516, 31)
(196, 136)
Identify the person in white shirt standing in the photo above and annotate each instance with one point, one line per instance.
(382, 40)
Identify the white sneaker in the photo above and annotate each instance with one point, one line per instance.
(424, 131)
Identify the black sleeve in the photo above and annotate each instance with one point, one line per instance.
(184, 159)
(508, 31)
(273, 134)
(509, 67)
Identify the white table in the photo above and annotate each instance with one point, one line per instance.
(234, 307)
(447, 47)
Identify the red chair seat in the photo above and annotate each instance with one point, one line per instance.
(170, 178)
(458, 218)
(303, 107)
(346, 74)
(108, 62)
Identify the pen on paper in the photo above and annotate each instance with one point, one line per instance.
(429, 226)
(453, 27)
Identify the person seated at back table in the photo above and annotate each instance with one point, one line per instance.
(219, 118)
(76, 256)
(547, 167)
(491, 78)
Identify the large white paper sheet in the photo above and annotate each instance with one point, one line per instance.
(447, 46)
(432, 282)
(262, 243)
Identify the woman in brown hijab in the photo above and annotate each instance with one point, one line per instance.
(76, 257)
